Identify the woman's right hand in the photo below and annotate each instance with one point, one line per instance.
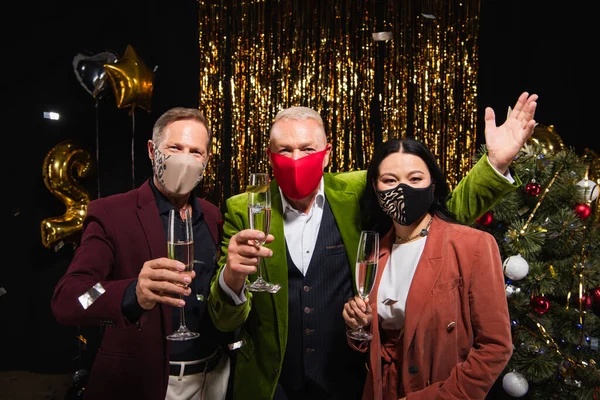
(357, 311)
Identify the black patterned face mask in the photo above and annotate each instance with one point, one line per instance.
(405, 204)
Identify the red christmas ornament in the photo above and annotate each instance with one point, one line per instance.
(586, 301)
(540, 304)
(533, 189)
(485, 219)
(595, 296)
(582, 210)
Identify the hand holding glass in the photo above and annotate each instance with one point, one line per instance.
(180, 247)
(365, 274)
(259, 216)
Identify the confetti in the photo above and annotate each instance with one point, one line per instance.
(236, 345)
(88, 298)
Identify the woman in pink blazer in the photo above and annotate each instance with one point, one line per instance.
(438, 310)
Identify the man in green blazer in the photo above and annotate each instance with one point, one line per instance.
(294, 344)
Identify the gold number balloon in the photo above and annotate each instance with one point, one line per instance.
(131, 81)
(58, 168)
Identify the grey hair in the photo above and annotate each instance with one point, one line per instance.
(299, 113)
(178, 114)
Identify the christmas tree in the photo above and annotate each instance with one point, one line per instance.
(549, 239)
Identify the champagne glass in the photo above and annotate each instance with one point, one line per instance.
(365, 274)
(180, 245)
(259, 215)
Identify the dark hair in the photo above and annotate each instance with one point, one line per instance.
(373, 216)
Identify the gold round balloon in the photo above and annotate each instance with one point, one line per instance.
(547, 138)
(131, 81)
(61, 162)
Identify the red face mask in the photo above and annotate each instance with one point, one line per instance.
(298, 178)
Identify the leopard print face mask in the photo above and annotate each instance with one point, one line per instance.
(405, 204)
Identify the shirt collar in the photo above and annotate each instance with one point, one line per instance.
(319, 199)
(165, 205)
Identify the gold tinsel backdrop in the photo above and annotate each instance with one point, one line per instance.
(373, 69)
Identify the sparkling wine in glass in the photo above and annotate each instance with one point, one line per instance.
(180, 247)
(365, 274)
(259, 216)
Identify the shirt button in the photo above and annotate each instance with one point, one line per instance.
(413, 369)
(306, 288)
(307, 310)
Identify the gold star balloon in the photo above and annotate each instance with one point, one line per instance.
(131, 81)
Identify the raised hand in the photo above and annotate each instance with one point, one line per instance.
(504, 142)
(243, 255)
(156, 283)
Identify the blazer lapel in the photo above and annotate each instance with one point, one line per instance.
(148, 216)
(157, 242)
(426, 275)
(275, 268)
(346, 211)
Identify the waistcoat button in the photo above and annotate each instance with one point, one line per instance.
(413, 369)
(307, 310)
(306, 288)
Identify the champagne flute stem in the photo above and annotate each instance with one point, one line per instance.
(259, 266)
(182, 315)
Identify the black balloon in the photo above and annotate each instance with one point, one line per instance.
(90, 72)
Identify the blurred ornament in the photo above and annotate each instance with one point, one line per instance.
(58, 167)
(90, 71)
(547, 138)
(485, 219)
(586, 301)
(589, 190)
(515, 267)
(77, 389)
(593, 161)
(533, 189)
(565, 368)
(515, 384)
(582, 210)
(540, 304)
(511, 289)
(131, 80)
(595, 295)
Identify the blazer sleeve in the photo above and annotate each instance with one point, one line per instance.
(479, 191)
(88, 278)
(490, 322)
(224, 313)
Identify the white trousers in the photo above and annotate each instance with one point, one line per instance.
(209, 386)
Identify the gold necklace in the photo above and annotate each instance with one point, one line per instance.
(422, 233)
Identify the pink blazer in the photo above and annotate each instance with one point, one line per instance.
(457, 337)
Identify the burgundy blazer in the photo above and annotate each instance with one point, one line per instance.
(457, 337)
(120, 233)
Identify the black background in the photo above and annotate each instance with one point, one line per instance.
(533, 46)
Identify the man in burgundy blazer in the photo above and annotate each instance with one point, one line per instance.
(123, 235)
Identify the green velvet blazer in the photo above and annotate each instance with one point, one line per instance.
(263, 318)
